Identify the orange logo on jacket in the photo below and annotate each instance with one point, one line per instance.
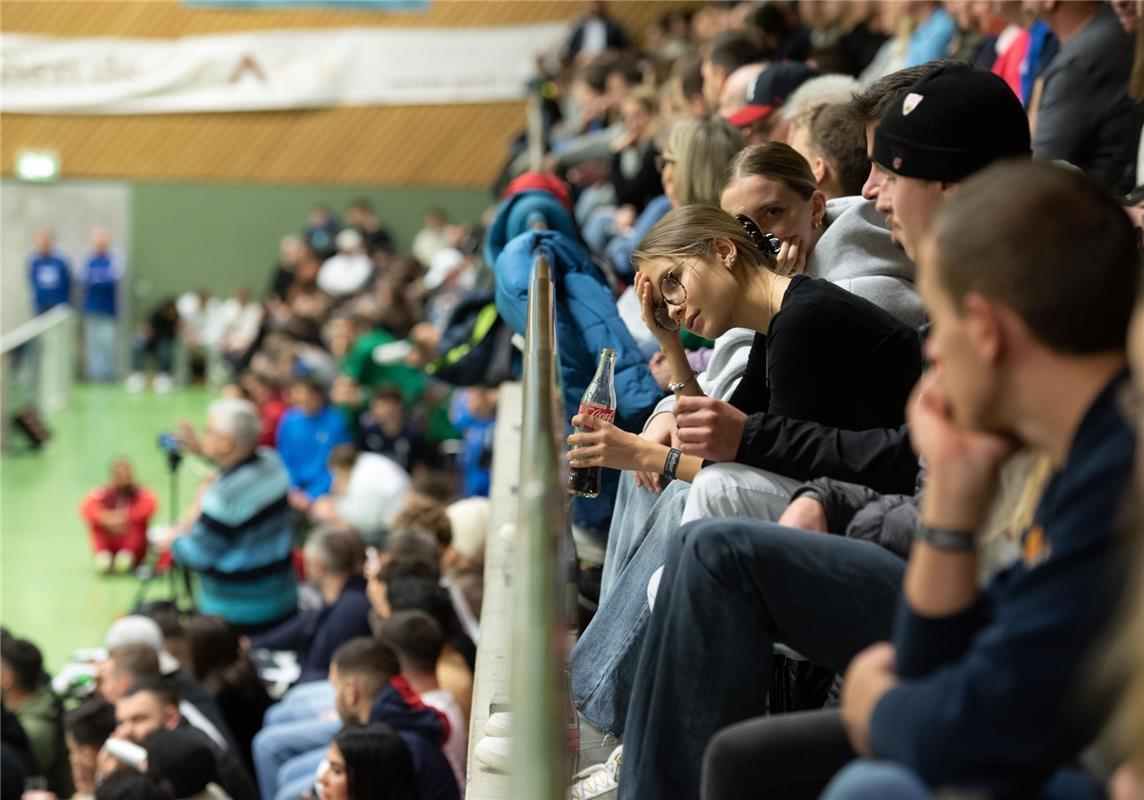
(1036, 548)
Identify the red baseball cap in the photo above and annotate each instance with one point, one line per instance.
(770, 90)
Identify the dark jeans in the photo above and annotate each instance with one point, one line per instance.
(786, 757)
(162, 349)
(731, 589)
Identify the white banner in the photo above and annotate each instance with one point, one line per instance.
(268, 70)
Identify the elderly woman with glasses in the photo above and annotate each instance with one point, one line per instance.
(824, 355)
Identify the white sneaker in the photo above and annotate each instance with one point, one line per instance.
(136, 382)
(597, 780)
(124, 561)
(103, 561)
(494, 752)
(162, 383)
(499, 724)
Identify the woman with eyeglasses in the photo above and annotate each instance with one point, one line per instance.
(828, 356)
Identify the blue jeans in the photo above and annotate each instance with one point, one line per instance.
(603, 661)
(274, 746)
(299, 773)
(731, 590)
(308, 700)
(162, 349)
(884, 780)
(99, 346)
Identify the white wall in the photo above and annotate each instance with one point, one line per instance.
(71, 209)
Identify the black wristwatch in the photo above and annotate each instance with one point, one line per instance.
(947, 538)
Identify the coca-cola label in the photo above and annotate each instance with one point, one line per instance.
(599, 412)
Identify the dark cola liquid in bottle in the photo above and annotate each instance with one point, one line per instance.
(599, 401)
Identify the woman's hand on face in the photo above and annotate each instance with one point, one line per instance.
(791, 258)
(646, 297)
(602, 444)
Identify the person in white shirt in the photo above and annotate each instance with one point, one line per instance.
(350, 270)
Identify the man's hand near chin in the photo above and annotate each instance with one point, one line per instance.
(868, 678)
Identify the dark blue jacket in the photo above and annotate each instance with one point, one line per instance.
(424, 730)
(587, 320)
(100, 280)
(315, 635)
(50, 278)
(988, 697)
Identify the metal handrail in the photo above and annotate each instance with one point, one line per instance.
(540, 699)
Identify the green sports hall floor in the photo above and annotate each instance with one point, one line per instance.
(49, 590)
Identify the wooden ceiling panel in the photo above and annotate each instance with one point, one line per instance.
(432, 145)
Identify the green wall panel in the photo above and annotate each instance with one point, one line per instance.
(223, 237)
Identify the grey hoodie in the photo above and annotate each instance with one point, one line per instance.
(855, 252)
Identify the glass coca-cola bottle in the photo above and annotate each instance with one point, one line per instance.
(599, 401)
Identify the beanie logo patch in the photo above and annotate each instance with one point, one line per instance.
(897, 163)
(912, 101)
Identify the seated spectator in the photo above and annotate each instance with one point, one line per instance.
(241, 320)
(474, 416)
(733, 98)
(365, 763)
(241, 539)
(418, 640)
(130, 784)
(219, 664)
(1006, 649)
(307, 434)
(428, 516)
(350, 270)
(366, 492)
(363, 366)
(17, 762)
(149, 706)
(128, 664)
(117, 515)
(933, 29)
(155, 338)
(184, 763)
(262, 389)
(845, 240)
(432, 237)
(165, 635)
(828, 137)
(695, 153)
(368, 688)
(289, 254)
(27, 694)
(385, 430)
(362, 218)
(1085, 115)
(728, 52)
(334, 560)
(201, 322)
(86, 728)
(759, 120)
(321, 230)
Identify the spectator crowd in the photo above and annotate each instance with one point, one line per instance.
(867, 526)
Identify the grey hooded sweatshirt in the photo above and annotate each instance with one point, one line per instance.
(856, 253)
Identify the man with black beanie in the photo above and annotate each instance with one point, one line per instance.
(947, 126)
